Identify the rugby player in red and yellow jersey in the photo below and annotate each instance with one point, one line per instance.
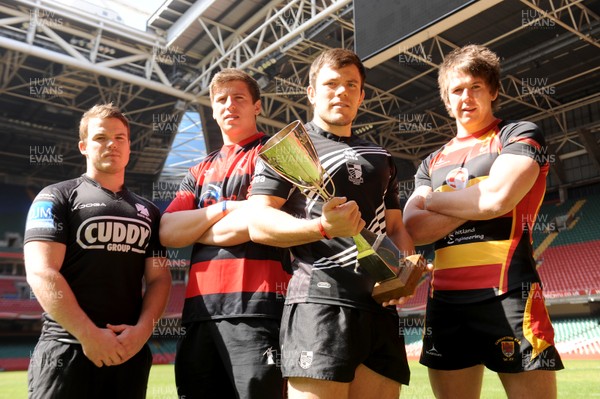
(476, 199)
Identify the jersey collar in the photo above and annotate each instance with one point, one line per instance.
(314, 129)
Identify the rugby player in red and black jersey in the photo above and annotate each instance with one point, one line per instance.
(476, 199)
(89, 243)
(236, 288)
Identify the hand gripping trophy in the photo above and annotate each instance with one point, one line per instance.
(292, 155)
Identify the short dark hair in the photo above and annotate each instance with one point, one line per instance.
(476, 60)
(233, 74)
(102, 111)
(337, 58)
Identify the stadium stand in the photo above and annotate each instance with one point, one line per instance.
(578, 337)
(15, 353)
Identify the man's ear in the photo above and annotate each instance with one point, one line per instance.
(82, 147)
(362, 96)
(257, 107)
(310, 93)
(495, 95)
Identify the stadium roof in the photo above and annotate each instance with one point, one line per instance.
(57, 61)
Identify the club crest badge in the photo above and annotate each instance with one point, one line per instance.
(508, 347)
(355, 173)
(306, 358)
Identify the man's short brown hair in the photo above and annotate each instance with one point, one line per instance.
(233, 74)
(336, 58)
(475, 60)
(102, 111)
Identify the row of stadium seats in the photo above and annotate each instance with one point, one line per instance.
(586, 228)
(571, 270)
(569, 329)
(578, 337)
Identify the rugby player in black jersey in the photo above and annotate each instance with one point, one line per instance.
(337, 342)
(89, 244)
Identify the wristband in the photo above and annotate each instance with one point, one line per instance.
(322, 230)
(224, 208)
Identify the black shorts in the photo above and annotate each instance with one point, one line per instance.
(61, 370)
(229, 358)
(328, 342)
(508, 334)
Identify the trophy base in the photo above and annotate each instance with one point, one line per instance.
(404, 284)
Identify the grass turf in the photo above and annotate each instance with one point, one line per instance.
(579, 379)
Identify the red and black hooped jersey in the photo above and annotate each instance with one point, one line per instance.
(327, 271)
(108, 237)
(243, 280)
(485, 258)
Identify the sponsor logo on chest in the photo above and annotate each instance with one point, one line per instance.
(113, 233)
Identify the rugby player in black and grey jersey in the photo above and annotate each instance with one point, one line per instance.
(337, 342)
(89, 244)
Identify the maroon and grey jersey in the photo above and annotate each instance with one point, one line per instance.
(246, 280)
(108, 237)
(327, 271)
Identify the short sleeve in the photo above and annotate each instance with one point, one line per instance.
(267, 182)
(47, 219)
(392, 193)
(422, 177)
(524, 138)
(155, 249)
(185, 198)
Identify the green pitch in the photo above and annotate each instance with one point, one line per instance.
(579, 379)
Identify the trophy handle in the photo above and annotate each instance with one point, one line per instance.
(321, 191)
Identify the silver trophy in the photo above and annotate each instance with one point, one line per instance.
(292, 155)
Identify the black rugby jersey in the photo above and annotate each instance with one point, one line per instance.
(327, 271)
(108, 237)
(246, 280)
(485, 258)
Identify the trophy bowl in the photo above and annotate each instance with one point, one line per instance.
(292, 155)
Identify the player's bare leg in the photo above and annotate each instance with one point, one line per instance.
(530, 384)
(310, 388)
(457, 384)
(369, 384)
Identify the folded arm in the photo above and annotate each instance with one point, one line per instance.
(182, 228)
(426, 226)
(510, 179)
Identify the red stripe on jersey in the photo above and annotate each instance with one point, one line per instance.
(467, 278)
(236, 275)
(537, 328)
